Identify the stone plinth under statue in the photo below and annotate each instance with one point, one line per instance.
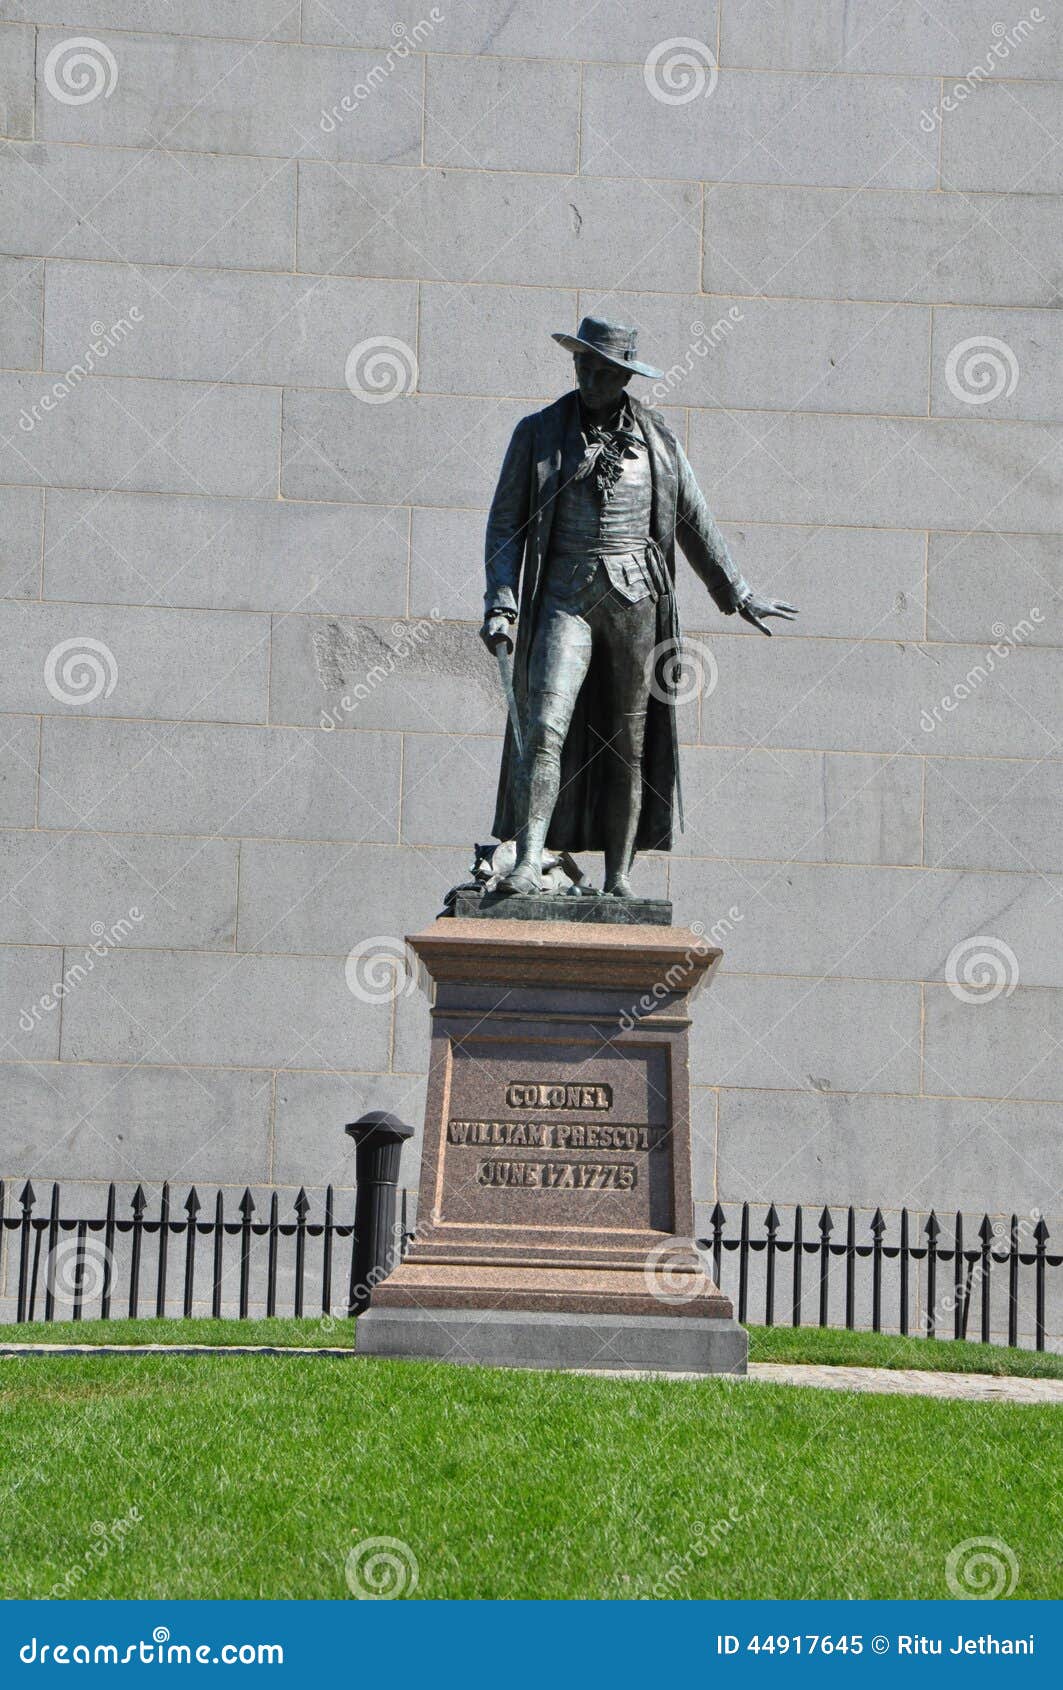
(555, 1213)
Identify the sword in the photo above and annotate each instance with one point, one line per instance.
(504, 659)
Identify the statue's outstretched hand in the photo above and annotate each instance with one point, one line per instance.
(497, 630)
(754, 610)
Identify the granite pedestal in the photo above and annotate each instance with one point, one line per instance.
(555, 1215)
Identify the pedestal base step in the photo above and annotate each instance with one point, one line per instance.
(560, 906)
(502, 1338)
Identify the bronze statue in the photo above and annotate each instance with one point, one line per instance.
(595, 490)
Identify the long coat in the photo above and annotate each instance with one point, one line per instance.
(518, 535)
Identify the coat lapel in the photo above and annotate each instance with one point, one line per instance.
(549, 443)
(545, 479)
(661, 445)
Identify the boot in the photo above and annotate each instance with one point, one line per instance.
(525, 877)
(619, 886)
(621, 822)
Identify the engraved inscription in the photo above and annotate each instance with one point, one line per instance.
(533, 1094)
(559, 1176)
(570, 1174)
(555, 1135)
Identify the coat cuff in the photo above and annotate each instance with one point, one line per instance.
(502, 602)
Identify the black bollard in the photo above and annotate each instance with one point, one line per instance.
(379, 1138)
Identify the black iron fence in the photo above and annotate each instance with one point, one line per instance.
(134, 1263)
(186, 1257)
(81, 1267)
(955, 1278)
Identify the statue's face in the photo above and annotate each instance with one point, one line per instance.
(600, 383)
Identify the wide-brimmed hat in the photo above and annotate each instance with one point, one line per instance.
(615, 342)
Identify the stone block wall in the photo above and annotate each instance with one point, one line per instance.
(278, 282)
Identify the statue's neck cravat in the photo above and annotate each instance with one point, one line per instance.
(606, 446)
(604, 503)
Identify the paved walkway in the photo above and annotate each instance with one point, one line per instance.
(11, 1352)
(910, 1381)
(889, 1381)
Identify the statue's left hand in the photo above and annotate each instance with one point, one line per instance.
(497, 631)
(755, 609)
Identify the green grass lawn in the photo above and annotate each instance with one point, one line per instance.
(766, 1343)
(253, 1478)
(311, 1332)
(882, 1349)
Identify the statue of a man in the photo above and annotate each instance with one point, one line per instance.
(595, 490)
